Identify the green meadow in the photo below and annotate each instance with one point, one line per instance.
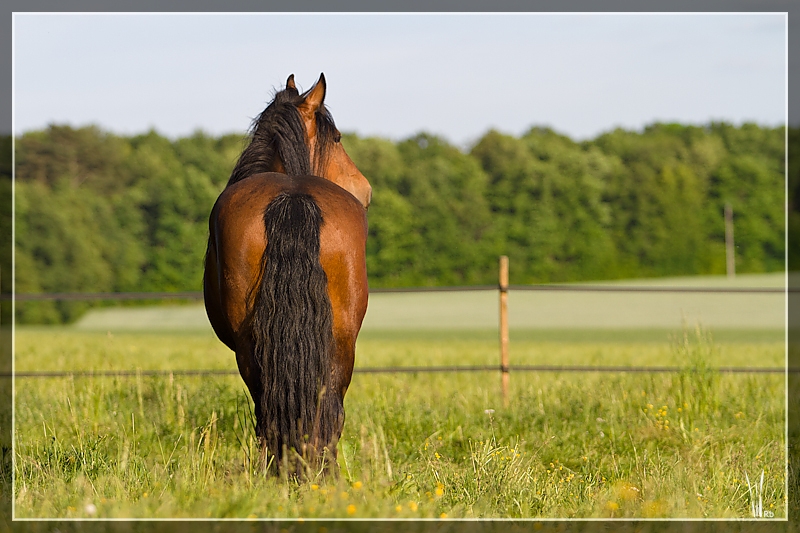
(424, 445)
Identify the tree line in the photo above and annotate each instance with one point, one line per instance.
(98, 212)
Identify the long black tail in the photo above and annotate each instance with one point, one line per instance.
(293, 329)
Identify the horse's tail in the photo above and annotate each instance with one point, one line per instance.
(293, 330)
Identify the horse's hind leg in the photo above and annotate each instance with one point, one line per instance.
(341, 374)
(251, 375)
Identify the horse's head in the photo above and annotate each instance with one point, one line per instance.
(328, 157)
(296, 135)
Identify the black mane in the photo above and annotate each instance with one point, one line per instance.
(279, 131)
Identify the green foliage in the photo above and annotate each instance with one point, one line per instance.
(177, 184)
(546, 197)
(99, 212)
(67, 252)
(450, 215)
(95, 213)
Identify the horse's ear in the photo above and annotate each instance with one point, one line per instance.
(314, 97)
(290, 82)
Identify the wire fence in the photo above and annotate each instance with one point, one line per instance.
(407, 370)
(198, 295)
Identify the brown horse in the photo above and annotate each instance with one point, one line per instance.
(285, 281)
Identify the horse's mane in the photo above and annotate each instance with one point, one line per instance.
(279, 131)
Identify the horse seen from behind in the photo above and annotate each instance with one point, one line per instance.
(285, 281)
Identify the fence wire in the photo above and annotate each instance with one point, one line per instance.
(198, 295)
(408, 370)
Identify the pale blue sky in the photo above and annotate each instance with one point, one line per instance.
(396, 75)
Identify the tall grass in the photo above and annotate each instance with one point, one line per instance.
(424, 445)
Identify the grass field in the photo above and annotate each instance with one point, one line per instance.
(528, 310)
(414, 445)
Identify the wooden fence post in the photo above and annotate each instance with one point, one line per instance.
(730, 252)
(504, 326)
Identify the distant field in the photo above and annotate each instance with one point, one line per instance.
(438, 311)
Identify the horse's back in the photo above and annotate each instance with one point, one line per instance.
(238, 240)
